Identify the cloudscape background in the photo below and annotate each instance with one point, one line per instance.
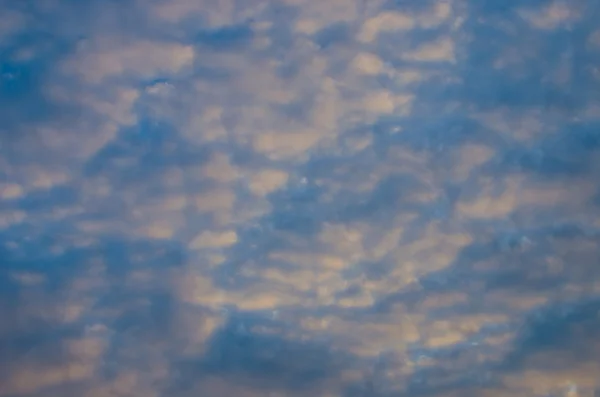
(299, 198)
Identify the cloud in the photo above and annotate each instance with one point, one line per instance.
(98, 61)
(214, 239)
(386, 21)
(551, 16)
(366, 63)
(299, 198)
(11, 191)
(441, 50)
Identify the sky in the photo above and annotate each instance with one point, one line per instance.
(285, 198)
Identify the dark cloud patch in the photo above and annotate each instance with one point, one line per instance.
(339, 33)
(24, 101)
(227, 38)
(400, 189)
(542, 263)
(569, 154)
(54, 199)
(253, 351)
(558, 337)
(445, 132)
(149, 148)
(542, 162)
(501, 35)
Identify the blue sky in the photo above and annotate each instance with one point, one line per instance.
(299, 198)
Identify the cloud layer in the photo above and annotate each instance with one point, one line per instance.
(292, 198)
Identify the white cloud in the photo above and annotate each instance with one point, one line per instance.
(385, 102)
(387, 21)
(488, 205)
(267, 181)
(219, 168)
(100, 59)
(210, 239)
(551, 16)
(11, 191)
(517, 193)
(438, 14)
(594, 39)
(118, 108)
(367, 63)
(469, 158)
(158, 230)
(437, 51)
(282, 144)
(215, 201)
(176, 10)
(318, 15)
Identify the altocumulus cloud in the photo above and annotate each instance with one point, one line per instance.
(295, 197)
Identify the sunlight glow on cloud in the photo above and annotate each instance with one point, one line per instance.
(293, 198)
